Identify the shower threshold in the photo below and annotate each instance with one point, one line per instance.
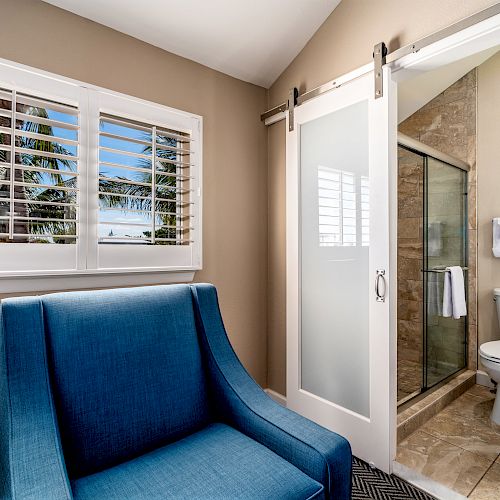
(424, 406)
(405, 399)
(424, 392)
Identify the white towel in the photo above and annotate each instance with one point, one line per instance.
(434, 301)
(454, 293)
(434, 240)
(496, 237)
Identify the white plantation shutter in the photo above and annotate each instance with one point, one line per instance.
(38, 169)
(147, 212)
(144, 183)
(95, 182)
(42, 144)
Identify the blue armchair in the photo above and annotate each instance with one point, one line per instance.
(137, 394)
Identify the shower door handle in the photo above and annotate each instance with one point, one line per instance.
(380, 296)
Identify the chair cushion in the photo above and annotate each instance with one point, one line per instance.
(126, 372)
(216, 462)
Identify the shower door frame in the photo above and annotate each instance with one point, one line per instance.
(464, 167)
(425, 152)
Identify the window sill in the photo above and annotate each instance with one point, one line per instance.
(45, 281)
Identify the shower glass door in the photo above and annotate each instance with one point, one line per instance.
(445, 244)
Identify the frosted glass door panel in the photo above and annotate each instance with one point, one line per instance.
(335, 244)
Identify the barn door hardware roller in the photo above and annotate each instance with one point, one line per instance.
(293, 97)
(379, 55)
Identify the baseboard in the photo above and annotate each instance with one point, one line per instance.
(482, 378)
(276, 396)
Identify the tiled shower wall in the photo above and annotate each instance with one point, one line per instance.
(410, 285)
(448, 124)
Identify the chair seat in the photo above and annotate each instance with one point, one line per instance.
(216, 462)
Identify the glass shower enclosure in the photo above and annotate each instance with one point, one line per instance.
(432, 235)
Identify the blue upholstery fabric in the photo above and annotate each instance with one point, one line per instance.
(217, 462)
(137, 393)
(127, 372)
(31, 462)
(323, 455)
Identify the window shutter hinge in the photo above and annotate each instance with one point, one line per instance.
(379, 55)
(292, 102)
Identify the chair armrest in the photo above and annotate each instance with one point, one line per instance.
(31, 462)
(238, 400)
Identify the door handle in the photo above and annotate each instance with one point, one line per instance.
(380, 297)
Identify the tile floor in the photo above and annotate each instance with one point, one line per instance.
(459, 447)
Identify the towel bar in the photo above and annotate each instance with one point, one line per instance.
(440, 270)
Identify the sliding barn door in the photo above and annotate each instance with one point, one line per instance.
(340, 337)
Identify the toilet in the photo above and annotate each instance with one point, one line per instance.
(489, 354)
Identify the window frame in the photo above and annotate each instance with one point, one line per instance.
(165, 262)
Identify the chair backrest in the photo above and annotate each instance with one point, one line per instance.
(126, 372)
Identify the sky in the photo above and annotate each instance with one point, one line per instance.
(111, 217)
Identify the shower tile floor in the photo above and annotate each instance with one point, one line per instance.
(410, 377)
(459, 447)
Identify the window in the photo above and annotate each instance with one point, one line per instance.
(38, 170)
(92, 181)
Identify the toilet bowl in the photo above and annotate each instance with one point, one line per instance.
(489, 354)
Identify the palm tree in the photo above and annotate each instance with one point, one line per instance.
(50, 171)
(166, 189)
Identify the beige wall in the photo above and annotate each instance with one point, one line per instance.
(276, 265)
(343, 43)
(235, 145)
(488, 193)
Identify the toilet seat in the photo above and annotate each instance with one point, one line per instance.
(491, 351)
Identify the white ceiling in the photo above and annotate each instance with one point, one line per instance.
(416, 92)
(254, 40)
